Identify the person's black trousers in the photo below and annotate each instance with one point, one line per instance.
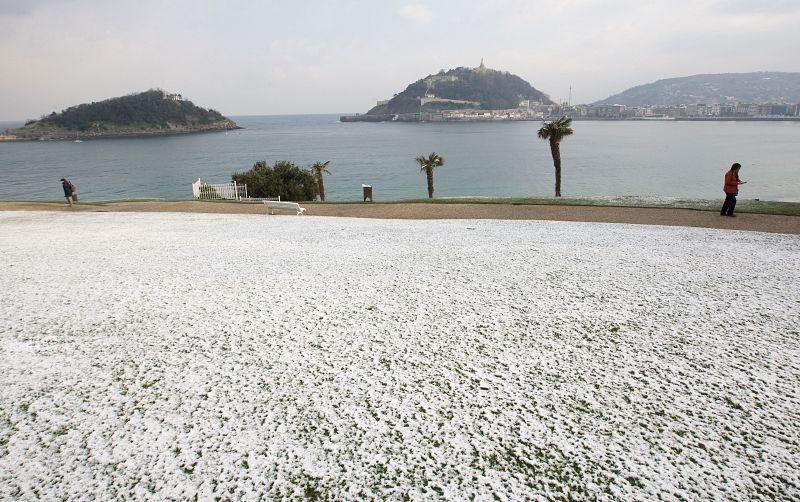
(730, 203)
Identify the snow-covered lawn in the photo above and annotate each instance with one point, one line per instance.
(172, 355)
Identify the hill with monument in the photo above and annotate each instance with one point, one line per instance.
(460, 92)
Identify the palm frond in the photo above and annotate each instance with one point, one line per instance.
(321, 167)
(431, 161)
(556, 129)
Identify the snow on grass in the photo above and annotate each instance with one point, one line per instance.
(173, 356)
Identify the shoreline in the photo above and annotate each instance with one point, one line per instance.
(390, 118)
(11, 138)
(424, 211)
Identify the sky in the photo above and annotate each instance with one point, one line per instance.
(325, 56)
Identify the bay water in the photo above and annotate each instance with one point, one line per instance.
(648, 159)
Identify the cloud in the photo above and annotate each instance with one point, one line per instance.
(96, 49)
(26, 7)
(417, 12)
(760, 7)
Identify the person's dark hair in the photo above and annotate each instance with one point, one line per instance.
(736, 165)
(62, 179)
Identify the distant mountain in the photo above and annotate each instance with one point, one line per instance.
(462, 88)
(759, 87)
(152, 112)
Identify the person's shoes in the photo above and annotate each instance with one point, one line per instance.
(731, 215)
(723, 214)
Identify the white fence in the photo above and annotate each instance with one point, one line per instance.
(227, 191)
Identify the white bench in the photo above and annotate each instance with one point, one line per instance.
(272, 205)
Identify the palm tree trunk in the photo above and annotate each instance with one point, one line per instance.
(556, 152)
(321, 189)
(429, 173)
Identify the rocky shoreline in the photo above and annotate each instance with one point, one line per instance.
(49, 133)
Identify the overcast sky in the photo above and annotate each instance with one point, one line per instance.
(326, 56)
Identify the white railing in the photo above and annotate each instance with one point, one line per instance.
(224, 191)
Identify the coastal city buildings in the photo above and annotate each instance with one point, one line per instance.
(538, 111)
(531, 110)
(730, 111)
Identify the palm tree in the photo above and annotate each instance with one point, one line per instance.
(555, 131)
(320, 168)
(427, 164)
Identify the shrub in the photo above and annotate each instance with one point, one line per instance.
(284, 179)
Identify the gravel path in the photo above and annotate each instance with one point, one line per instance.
(168, 356)
(642, 216)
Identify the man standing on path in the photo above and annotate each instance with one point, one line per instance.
(69, 190)
(731, 189)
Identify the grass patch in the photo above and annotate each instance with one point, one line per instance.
(754, 206)
(86, 203)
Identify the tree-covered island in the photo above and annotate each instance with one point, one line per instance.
(149, 113)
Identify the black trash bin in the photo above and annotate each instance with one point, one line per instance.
(367, 192)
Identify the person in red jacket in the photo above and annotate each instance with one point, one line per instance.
(731, 189)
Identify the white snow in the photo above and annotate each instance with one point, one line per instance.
(162, 356)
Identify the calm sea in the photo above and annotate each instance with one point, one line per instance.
(643, 159)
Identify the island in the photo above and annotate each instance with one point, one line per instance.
(150, 113)
(461, 94)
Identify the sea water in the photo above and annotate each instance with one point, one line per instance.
(654, 159)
